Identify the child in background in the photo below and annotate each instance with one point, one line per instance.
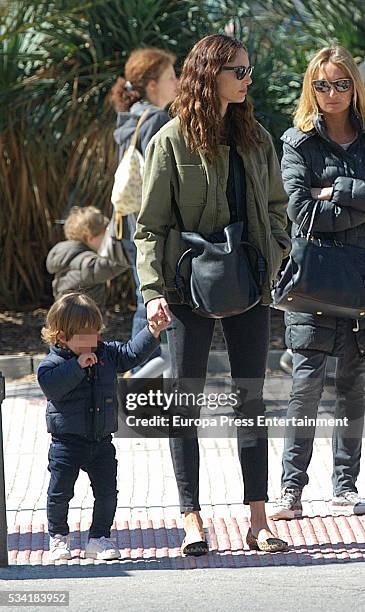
(76, 263)
(79, 379)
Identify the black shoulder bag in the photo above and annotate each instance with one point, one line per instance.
(322, 276)
(222, 282)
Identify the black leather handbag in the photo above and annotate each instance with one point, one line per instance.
(222, 281)
(322, 277)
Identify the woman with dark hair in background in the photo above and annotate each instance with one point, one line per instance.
(149, 83)
(193, 157)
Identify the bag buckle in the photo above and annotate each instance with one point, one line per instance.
(314, 239)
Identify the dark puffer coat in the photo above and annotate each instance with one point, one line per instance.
(78, 268)
(83, 401)
(312, 159)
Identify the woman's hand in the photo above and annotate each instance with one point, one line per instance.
(321, 193)
(158, 315)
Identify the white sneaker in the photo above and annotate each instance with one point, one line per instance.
(289, 506)
(101, 548)
(347, 503)
(59, 547)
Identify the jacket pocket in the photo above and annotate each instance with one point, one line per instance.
(108, 420)
(192, 185)
(67, 417)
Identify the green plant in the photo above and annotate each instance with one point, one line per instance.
(58, 62)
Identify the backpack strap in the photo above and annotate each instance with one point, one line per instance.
(117, 218)
(138, 126)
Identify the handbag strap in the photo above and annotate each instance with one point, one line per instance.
(138, 127)
(236, 178)
(260, 260)
(311, 222)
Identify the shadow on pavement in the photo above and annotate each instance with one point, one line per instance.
(154, 548)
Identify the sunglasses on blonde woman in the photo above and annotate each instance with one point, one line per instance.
(324, 86)
(240, 71)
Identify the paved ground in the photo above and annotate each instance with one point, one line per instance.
(308, 589)
(148, 527)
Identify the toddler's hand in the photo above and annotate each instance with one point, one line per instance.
(156, 327)
(87, 359)
(158, 315)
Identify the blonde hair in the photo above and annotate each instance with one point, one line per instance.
(308, 109)
(70, 314)
(83, 222)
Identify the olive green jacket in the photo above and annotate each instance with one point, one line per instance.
(200, 191)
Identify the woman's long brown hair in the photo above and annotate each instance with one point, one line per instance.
(198, 106)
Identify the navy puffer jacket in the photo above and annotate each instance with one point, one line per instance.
(312, 159)
(83, 401)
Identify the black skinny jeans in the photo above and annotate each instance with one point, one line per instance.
(66, 457)
(247, 338)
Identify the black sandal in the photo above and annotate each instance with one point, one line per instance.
(194, 544)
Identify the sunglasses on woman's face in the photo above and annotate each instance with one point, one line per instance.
(240, 71)
(340, 85)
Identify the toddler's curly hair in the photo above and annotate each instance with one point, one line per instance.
(71, 313)
(83, 222)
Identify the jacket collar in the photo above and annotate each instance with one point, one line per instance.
(320, 128)
(296, 137)
(355, 118)
(66, 353)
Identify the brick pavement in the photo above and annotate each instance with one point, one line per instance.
(148, 526)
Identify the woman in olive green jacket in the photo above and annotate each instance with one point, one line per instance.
(192, 156)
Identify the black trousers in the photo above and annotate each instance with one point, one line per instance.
(69, 454)
(247, 339)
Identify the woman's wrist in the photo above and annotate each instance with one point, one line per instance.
(322, 193)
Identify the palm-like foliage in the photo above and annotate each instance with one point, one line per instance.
(56, 147)
(281, 36)
(58, 61)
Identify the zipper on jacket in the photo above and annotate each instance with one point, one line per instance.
(92, 412)
(97, 433)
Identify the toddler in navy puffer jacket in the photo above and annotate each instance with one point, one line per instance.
(79, 379)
